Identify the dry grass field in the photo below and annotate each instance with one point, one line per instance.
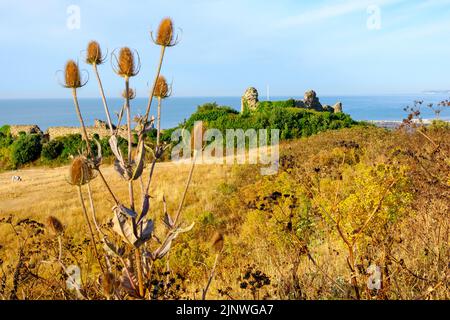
(45, 191)
(343, 204)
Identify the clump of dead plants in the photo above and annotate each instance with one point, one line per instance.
(125, 266)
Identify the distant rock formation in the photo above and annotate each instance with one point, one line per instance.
(28, 129)
(311, 101)
(249, 99)
(337, 107)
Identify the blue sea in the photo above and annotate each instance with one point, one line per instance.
(60, 112)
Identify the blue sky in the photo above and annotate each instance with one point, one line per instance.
(228, 45)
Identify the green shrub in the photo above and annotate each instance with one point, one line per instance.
(283, 115)
(52, 149)
(25, 149)
(5, 136)
(72, 145)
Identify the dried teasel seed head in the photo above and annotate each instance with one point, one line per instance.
(161, 88)
(108, 284)
(217, 242)
(55, 226)
(131, 94)
(94, 53)
(72, 75)
(80, 171)
(126, 63)
(165, 33)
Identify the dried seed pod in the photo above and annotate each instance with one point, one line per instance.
(94, 53)
(161, 88)
(126, 65)
(55, 226)
(80, 171)
(217, 242)
(108, 283)
(72, 75)
(165, 33)
(131, 94)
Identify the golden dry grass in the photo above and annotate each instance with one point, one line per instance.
(45, 192)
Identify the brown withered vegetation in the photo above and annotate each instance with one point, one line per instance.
(162, 88)
(126, 65)
(72, 75)
(165, 33)
(94, 53)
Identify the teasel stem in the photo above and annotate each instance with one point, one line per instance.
(102, 93)
(107, 186)
(94, 243)
(94, 215)
(80, 118)
(188, 182)
(137, 254)
(86, 138)
(158, 71)
(211, 276)
(158, 123)
(59, 248)
(130, 137)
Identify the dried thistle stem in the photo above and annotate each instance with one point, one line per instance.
(94, 243)
(158, 123)
(86, 138)
(188, 182)
(102, 93)
(137, 254)
(211, 276)
(158, 72)
(80, 118)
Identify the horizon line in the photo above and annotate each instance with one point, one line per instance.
(262, 97)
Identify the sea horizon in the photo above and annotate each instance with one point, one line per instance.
(55, 112)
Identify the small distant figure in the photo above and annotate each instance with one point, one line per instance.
(16, 179)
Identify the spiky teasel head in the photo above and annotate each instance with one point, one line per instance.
(80, 171)
(126, 65)
(217, 242)
(131, 94)
(165, 34)
(94, 53)
(72, 75)
(55, 226)
(162, 89)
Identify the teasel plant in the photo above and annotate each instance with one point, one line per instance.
(162, 91)
(165, 38)
(217, 243)
(129, 222)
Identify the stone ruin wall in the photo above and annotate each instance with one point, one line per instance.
(55, 132)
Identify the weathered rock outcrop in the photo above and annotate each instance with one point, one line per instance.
(249, 99)
(337, 107)
(28, 129)
(311, 101)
